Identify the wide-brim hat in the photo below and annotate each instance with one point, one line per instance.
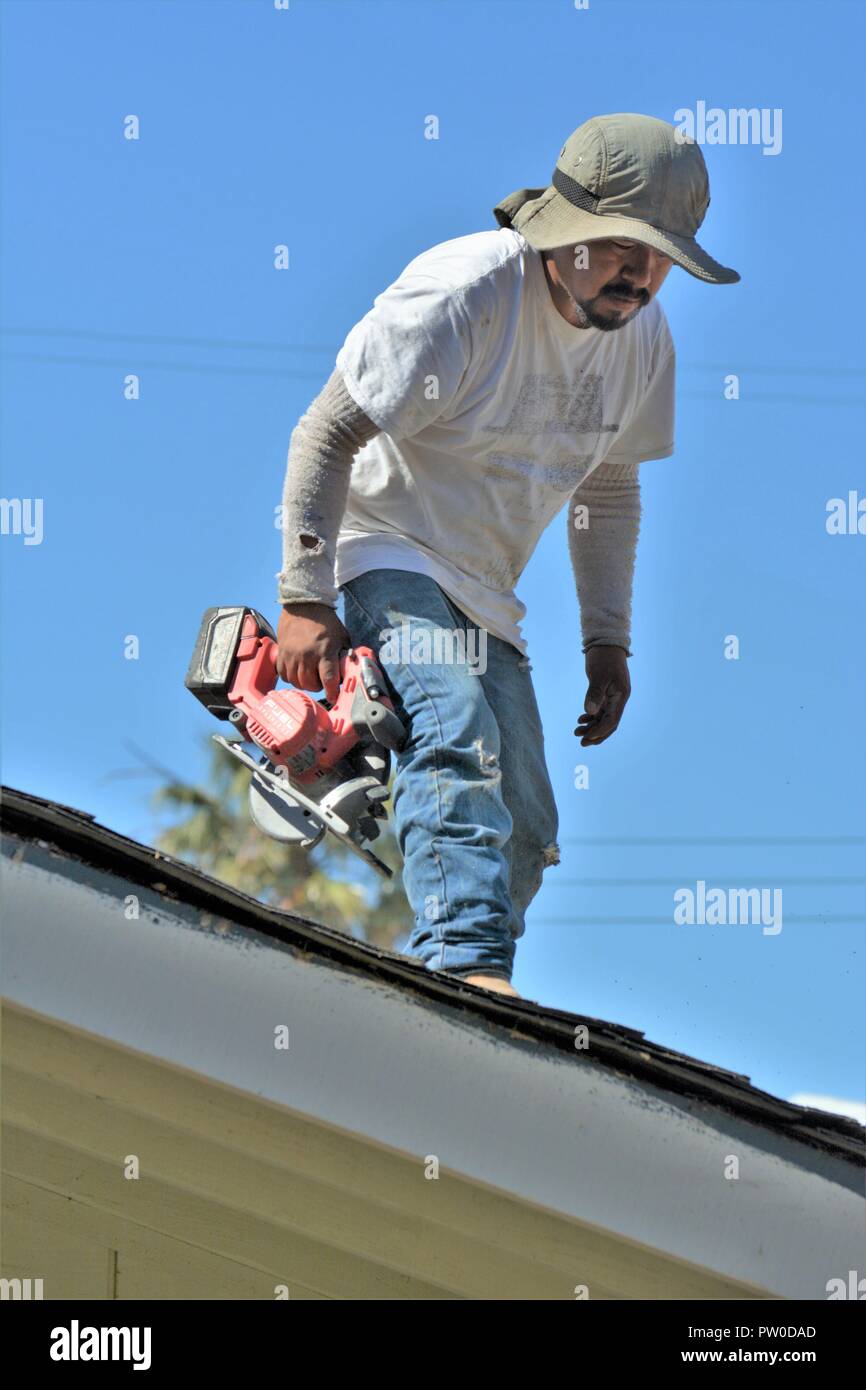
(626, 176)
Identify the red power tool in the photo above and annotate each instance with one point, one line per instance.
(324, 767)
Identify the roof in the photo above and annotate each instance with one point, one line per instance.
(613, 1044)
(627, 1134)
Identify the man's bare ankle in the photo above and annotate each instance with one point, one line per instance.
(492, 982)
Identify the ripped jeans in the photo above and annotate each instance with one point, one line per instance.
(473, 807)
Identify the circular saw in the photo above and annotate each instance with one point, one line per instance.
(317, 767)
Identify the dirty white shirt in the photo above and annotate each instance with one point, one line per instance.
(493, 410)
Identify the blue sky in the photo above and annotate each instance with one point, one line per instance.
(306, 127)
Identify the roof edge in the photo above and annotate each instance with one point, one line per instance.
(77, 834)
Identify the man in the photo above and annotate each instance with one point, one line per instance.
(501, 376)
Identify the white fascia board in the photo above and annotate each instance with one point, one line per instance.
(375, 1060)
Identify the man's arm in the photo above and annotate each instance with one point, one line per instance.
(324, 442)
(603, 525)
(322, 446)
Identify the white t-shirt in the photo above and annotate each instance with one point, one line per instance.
(493, 410)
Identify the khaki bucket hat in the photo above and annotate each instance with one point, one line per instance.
(622, 176)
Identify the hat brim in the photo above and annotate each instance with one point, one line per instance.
(550, 220)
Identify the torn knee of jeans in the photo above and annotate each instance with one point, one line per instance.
(524, 664)
(550, 854)
(488, 762)
(312, 542)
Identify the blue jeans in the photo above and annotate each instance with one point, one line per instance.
(473, 807)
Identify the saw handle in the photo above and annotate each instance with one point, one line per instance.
(234, 674)
(362, 708)
(363, 703)
(384, 725)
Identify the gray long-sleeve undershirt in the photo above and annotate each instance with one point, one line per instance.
(603, 525)
(322, 447)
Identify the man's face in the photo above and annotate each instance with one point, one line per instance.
(611, 280)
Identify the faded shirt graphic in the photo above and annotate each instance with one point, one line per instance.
(493, 411)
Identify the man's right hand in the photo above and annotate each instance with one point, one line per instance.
(310, 638)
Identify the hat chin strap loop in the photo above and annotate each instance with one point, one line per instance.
(574, 192)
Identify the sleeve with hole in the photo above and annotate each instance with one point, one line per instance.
(322, 446)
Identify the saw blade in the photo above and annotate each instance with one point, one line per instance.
(275, 814)
(332, 821)
(323, 815)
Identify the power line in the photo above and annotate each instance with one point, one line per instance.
(771, 371)
(135, 363)
(166, 339)
(215, 368)
(797, 920)
(780, 881)
(713, 840)
(751, 398)
(333, 348)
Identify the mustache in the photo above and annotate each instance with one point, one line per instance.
(626, 291)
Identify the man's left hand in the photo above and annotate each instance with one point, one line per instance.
(606, 698)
